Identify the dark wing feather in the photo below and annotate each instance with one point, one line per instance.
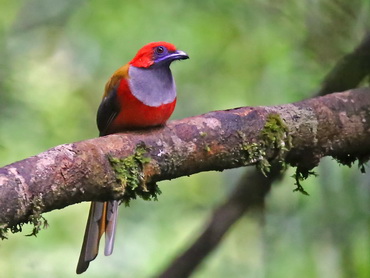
(108, 111)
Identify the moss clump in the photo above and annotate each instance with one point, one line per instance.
(206, 146)
(301, 175)
(36, 219)
(257, 154)
(275, 137)
(3, 231)
(350, 159)
(129, 173)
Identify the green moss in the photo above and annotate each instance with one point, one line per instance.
(129, 175)
(347, 160)
(300, 175)
(350, 159)
(275, 134)
(203, 134)
(207, 148)
(274, 137)
(274, 141)
(36, 219)
(257, 154)
(3, 231)
(5, 228)
(361, 166)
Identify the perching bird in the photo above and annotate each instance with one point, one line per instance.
(140, 94)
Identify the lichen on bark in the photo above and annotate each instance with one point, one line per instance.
(129, 174)
(274, 137)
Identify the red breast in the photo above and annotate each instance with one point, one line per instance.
(135, 114)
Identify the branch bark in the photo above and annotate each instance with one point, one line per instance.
(336, 125)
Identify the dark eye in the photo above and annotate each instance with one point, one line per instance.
(160, 50)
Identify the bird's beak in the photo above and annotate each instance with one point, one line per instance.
(172, 56)
(178, 55)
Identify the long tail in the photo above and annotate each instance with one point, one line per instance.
(102, 218)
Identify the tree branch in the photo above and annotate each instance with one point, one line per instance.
(121, 166)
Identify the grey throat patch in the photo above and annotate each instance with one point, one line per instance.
(153, 86)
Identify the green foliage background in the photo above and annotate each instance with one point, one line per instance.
(55, 57)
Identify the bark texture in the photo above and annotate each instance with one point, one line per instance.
(103, 168)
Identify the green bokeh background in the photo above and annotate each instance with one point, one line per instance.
(55, 57)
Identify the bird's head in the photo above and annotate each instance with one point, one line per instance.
(157, 53)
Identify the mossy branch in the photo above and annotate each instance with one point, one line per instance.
(123, 166)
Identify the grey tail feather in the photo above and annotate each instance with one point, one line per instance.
(111, 224)
(90, 246)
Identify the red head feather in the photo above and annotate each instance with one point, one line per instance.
(145, 56)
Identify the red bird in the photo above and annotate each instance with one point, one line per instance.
(140, 94)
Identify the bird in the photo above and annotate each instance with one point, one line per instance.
(139, 95)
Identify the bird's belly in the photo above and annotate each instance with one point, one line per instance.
(141, 116)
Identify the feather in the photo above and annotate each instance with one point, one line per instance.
(94, 229)
(110, 106)
(111, 224)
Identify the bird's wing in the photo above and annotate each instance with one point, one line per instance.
(110, 106)
(108, 111)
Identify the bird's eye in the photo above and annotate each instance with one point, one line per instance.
(160, 50)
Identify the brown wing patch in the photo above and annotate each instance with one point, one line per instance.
(122, 72)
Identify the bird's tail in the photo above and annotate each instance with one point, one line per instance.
(102, 218)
